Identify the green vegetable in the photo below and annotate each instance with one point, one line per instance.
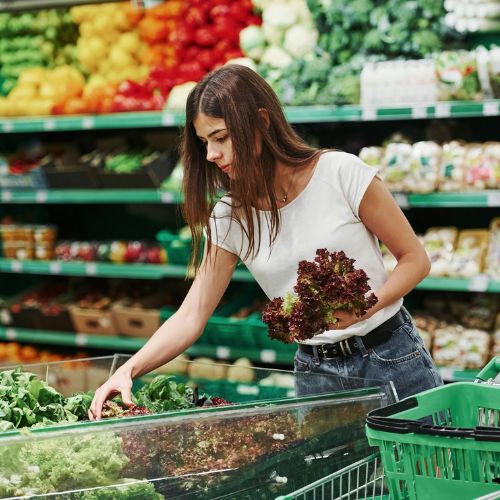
(164, 394)
(79, 404)
(129, 491)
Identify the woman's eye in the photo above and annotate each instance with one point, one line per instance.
(220, 140)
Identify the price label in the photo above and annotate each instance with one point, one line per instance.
(11, 334)
(402, 200)
(369, 113)
(42, 196)
(49, 125)
(7, 196)
(167, 197)
(16, 266)
(247, 390)
(447, 373)
(5, 317)
(490, 108)
(479, 283)
(493, 199)
(167, 119)
(91, 269)
(268, 356)
(443, 110)
(87, 123)
(222, 352)
(55, 268)
(419, 112)
(81, 339)
(7, 126)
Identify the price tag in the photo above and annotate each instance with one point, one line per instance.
(55, 268)
(87, 123)
(91, 269)
(419, 111)
(479, 283)
(443, 110)
(42, 196)
(222, 352)
(369, 113)
(247, 390)
(493, 199)
(7, 126)
(291, 393)
(167, 119)
(5, 317)
(167, 197)
(81, 339)
(49, 125)
(447, 373)
(16, 266)
(490, 108)
(7, 196)
(268, 356)
(402, 200)
(11, 334)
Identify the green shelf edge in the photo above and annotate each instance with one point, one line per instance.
(120, 343)
(158, 271)
(295, 114)
(489, 198)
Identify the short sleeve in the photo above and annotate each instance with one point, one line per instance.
(222, 226)
(355, 177)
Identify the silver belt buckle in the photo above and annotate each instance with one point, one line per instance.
(344, 346)
(324, 352)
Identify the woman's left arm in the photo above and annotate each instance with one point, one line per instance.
(380, 213)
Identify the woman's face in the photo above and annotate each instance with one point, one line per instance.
(213, 133)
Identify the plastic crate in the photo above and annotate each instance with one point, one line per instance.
(441, 443)
(259, 332)
(178, 249)
(491, 372)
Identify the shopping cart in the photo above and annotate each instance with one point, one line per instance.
(442, 443)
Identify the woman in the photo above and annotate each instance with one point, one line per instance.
(285, 200)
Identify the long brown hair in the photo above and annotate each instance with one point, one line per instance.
(236, 93)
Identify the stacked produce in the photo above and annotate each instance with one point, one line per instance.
(15, 353)
(23, 241)
(425, 166)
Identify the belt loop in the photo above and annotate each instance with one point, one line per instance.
(315, 356)
(361, 347)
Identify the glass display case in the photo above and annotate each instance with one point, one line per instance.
(268, 442)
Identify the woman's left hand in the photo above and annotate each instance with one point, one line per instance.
(345, 319)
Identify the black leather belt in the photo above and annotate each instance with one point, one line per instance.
(348, 346)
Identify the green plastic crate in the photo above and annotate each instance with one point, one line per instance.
(178, 249)
(490, 372)
(456, 456)
(259, 332)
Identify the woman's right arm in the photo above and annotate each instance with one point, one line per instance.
(178, 333)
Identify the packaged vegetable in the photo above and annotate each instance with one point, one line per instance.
(396, 165)
(439, 242)
(452, 167)
(470, 252)
(423, 172)
(493, 255)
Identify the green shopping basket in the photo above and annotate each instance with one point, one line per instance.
(441, 443)
(490, 373)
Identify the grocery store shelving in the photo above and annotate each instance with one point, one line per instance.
(480, 283)
(121, 343)
(89, 196)
(295, 114)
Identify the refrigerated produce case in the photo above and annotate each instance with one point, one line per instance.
(259, 447)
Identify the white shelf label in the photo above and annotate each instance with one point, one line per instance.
(247, 390)
(419, 111)
(167, 197)
(268, 356)
(81, 339)
(167, 119)
(42, 196)
(447, 373)
(222, 352)
(369, 113)
(11, 334)
(87, 123)
(443, 110)
(49, 125)
(16, 266)
(91, 269)
(493, 199)
(490, 108)
(5, 317)
(7, 126)
(479, 283)
(402, 200)
(7, 196)
(55, 268)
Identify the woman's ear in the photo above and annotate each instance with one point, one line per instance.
(264, 113)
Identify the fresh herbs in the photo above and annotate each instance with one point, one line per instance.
(328, 284)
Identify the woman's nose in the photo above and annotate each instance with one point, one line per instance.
(212, 154)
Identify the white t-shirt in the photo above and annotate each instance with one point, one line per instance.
(324, 215)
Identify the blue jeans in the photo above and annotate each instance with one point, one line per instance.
(402, 360)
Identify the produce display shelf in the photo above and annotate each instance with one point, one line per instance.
(89, 196)
(23, 5)
(120, 343)
(479, 283)
(489, 198)
(295, 114)
(451, 374)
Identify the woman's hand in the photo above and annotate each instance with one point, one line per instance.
(119, 383)
(344, 320)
